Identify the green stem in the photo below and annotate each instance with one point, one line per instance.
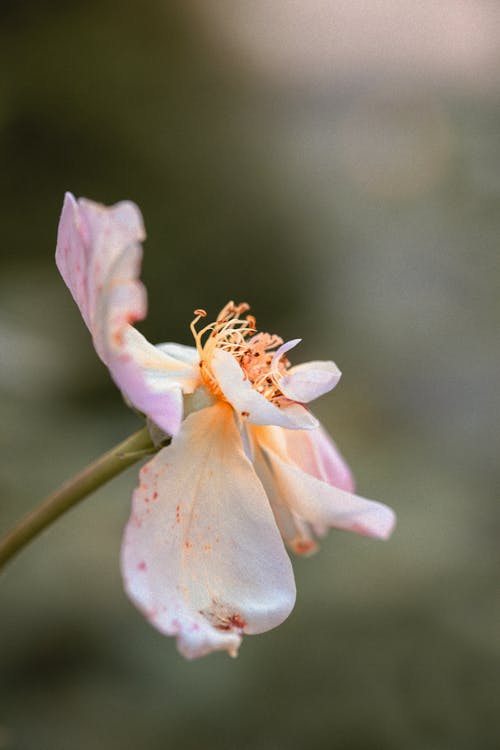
(93, 476)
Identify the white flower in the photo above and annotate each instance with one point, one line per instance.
(248, 468)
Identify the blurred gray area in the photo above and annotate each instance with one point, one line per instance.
(339, 170)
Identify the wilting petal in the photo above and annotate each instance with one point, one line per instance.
(317, 502)
(202, 556)
(308, 381)
(314, 452)
(99, 255)
(296, 532)
(251, 404)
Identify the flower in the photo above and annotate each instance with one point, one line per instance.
(248, 469)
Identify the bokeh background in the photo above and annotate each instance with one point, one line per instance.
(336, 164)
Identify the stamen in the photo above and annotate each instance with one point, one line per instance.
(239, 337)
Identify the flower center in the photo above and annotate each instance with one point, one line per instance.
(254, 351)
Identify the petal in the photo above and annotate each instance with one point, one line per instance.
(187, 354)
(99, 255)
(320, 503)
(283, 349)
(308, 381)
(201, 398)
(297, 533)
(314, 452)
(152, 381)
(202, 556)
(248, 402)
(161, 370)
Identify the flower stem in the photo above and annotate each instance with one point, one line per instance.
(93, 476)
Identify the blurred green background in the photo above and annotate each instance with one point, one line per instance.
(337, 165)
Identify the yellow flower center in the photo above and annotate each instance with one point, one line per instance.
(253, 350)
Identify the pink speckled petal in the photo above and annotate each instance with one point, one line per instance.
(202, 556)
(317, 502)
(248, 402)
(308, 381)
(99, 256)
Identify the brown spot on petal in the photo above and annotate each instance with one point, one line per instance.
(221, 617)
(304, 546)
(118, 338)
(237, 621)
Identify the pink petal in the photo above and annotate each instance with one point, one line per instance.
(283, 349)
(314, 452)
(202, 556)
(296, 533)
(152, 381)
(93, 243)
(161, 369)
(308, 381)
(99, 256)
(320, 503)
(248, 402)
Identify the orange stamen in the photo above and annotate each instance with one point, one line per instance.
(253, 350)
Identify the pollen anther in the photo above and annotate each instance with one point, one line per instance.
(239, 337)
